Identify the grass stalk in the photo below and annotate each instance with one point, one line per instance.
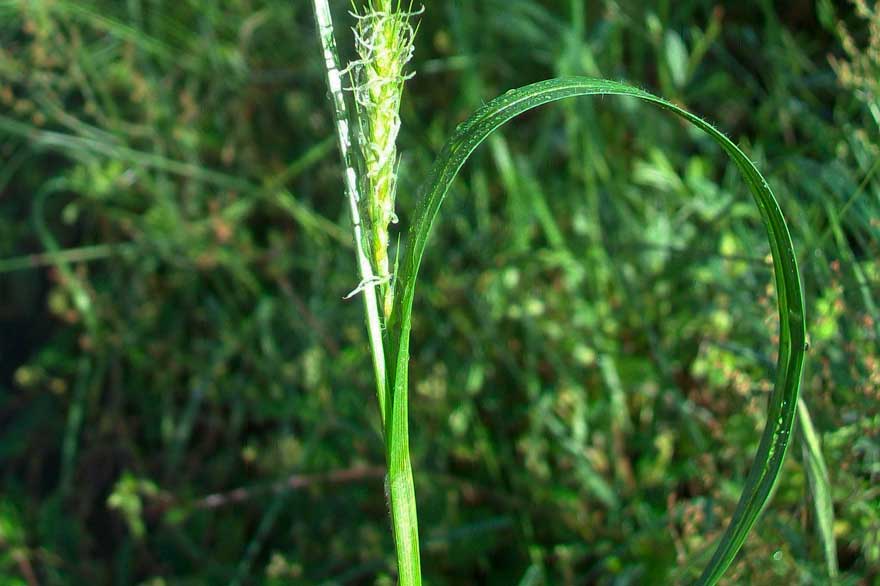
(384, 40)
(378, 165)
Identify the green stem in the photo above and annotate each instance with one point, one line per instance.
(394, 416)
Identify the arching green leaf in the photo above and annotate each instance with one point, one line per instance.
(783, 401)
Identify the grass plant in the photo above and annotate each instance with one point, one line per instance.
(381, 77)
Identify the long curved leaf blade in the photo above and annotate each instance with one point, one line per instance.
(783, 401)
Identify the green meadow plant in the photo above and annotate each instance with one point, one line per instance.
(366, 136)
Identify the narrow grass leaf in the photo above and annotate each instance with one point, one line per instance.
(820, 488)
(783, 400)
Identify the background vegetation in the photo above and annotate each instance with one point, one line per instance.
(185, 398)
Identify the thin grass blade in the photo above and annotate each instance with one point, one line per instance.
(820, 488)
(783, 400)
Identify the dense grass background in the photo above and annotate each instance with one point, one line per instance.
(185, 398)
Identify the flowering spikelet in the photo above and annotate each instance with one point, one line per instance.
(384, 39)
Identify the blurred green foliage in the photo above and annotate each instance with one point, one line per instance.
(185, 398)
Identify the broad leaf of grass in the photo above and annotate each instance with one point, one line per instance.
(783, 401)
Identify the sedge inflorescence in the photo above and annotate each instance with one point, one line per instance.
(384, 41)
